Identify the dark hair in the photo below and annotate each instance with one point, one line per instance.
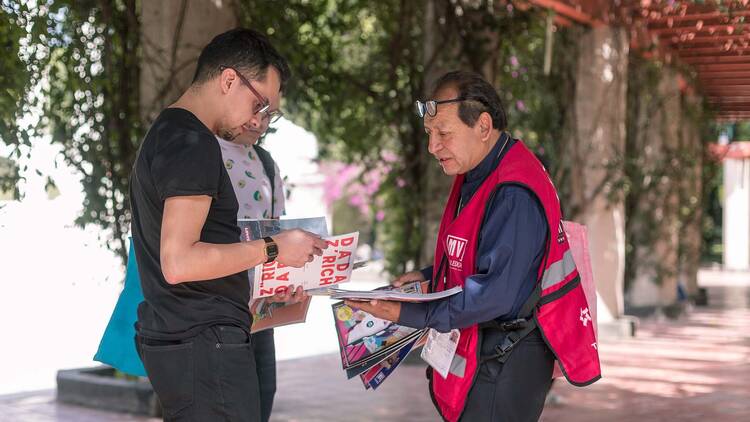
(243, 49)
(481, 97)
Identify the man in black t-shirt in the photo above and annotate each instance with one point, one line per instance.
(193, 325)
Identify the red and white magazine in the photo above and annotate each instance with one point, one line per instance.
(332, 268)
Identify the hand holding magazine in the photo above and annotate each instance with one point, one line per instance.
(333, 267)
(400, 296)
(266, 312)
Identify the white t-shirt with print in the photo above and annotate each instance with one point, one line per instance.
(250, 182)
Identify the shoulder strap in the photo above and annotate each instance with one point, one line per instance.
(268, 168)
(517, 329)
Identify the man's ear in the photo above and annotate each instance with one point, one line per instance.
(226, 79)
(485, 126)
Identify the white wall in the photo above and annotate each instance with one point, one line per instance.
(295, 151)
(736, 225)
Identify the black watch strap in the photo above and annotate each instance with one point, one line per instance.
(271, 248)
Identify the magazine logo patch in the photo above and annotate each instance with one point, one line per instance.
(456, 247)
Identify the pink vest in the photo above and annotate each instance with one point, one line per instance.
(562, 313)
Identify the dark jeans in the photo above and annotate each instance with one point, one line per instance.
(265, 364)
(513, 391)
(209, 377)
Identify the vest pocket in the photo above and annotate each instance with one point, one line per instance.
(170, 370)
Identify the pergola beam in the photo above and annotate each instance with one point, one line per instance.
(739, 99)
(713, 59)
(731, 88)
(721, 74)
(697, 51)
(733, 118)
(705, 29)
(698, 39)
(698, 16)
(711, 83)
(570, 12)
(723, 67)
(714, 92)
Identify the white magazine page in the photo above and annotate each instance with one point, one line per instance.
(333, 267)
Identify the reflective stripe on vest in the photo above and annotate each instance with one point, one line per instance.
(559, 271)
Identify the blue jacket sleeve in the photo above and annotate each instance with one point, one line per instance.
(427, 273)
(509, 253)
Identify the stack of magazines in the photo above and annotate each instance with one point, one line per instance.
(371, 347)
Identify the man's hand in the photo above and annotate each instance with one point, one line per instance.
(290, 296)
(383, 309)
(298, 247)
(408, 278)
(411, 277)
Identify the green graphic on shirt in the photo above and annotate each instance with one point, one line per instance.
(250, 155)
(248, 174)
(241, 184)
(257, 196)
(265, 213)
(229, 164)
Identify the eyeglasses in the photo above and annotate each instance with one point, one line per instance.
(429, 107)
(265, 105)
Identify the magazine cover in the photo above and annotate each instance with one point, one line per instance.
(333, 267)
(267, 314)
(375, 376)
(374, 359)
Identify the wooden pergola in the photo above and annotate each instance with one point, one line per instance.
(711, 38)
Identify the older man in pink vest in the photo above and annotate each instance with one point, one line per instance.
(501, 239)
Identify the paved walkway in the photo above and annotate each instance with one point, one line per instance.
(693, 369)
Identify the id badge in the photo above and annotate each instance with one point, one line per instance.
(440, 350)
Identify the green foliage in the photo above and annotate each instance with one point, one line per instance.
(15, 84)
(667, 175)
(360, 65)
(357, 69)
(75, 65)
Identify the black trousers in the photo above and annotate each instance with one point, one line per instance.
(264, 350)
(209, 377)
(513, 391)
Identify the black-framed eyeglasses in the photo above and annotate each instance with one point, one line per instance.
(429, 107)
(264, 106)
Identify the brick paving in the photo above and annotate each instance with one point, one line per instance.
(696, 368)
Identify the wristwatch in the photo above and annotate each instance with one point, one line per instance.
(271, 249)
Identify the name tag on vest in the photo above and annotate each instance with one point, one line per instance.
(440, 350)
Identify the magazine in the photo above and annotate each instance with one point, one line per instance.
(370, 346)
(391, 294)
(375, 376)
(370, 361)
(267, 314)
(333, 267)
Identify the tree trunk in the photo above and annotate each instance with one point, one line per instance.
(170, 53)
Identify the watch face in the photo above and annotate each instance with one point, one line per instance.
(272, 250)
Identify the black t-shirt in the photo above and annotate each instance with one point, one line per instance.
(180, 156)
